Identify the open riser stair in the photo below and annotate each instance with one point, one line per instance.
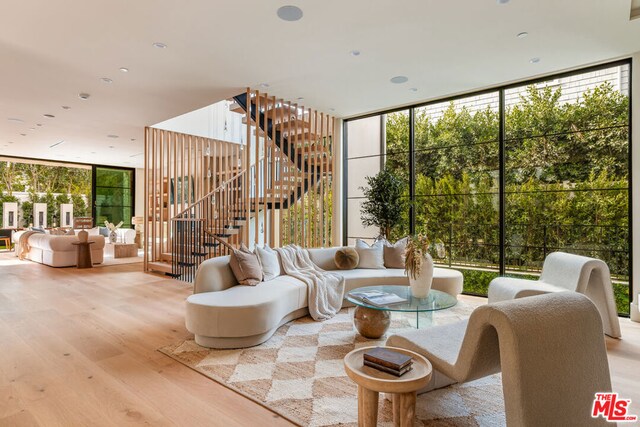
(207, 197)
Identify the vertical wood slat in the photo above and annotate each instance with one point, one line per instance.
(272, 162)
(296, 223)
(264, 176)
(256, 195)
(247, 167)
(320, 139)
(280, 171)
(161, 189)
(153, 197)
(317, 181)
(325, 188)
(145, 223)
(308, 195)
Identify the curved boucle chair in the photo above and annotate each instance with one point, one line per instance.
(563, 272)
(550, 349)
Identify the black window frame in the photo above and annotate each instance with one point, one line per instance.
(94, 192)
(500, 89)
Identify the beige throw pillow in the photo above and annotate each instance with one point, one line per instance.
(346, 258)
(370, 256)
(270, 262)
(245, 266)
(394, 253)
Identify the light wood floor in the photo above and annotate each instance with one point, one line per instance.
(79, 348)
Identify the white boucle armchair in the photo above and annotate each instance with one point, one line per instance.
(563, 272)
(549, 348)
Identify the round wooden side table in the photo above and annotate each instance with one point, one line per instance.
(371, 382)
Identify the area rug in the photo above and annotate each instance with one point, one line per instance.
(298, 373)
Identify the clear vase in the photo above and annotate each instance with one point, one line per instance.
(421, 285)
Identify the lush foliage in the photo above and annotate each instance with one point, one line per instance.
(384, 202)
(566, 176)
(53, 185)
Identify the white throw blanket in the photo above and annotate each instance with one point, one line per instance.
(325, 290)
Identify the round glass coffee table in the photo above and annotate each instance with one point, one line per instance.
(372, 321)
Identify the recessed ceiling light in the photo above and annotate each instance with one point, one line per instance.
(124, 69)
(136, 155)
(32, 128)
(13, 119)
(413, 89)
(264, 85)
(399, 79)
(534, 60)
(10, 142)
(354, 53)
(66, 107)
(49, 116)
(502, 1)
(56, 144)
(332, 109)
(159, 45)
(133, 139)
(93, 152)
(112, 146)
(38, 124)
(106, 80)
(522, 35)
(290, 13)
(112, 136)
(23, 134)
(299, 99)
(83, 96)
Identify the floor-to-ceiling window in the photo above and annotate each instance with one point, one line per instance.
(505, 177)
(114, 195)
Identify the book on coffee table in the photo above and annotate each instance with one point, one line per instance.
(378, 298)
(397, 373)
(388, 358)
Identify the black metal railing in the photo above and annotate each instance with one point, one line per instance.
(210, 227)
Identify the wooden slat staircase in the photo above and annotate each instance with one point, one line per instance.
(293, 159)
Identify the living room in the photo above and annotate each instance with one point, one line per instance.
(454, 183)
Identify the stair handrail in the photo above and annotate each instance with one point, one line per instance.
(203, 198)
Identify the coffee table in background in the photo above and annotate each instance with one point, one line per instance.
(372, 321)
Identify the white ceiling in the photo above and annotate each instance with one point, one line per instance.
(52, 50)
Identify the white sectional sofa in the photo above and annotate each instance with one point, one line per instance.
(58, 251)
(223, 314)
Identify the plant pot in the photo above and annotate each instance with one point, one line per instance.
(113, 236)
(421, 285)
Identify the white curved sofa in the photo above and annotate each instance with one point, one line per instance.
(58, 251)
(223, 314)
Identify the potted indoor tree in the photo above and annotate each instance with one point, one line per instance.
(384, 203)
(419, 263)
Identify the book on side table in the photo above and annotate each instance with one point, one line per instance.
(388, 361)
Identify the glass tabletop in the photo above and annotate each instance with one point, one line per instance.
(435, 300)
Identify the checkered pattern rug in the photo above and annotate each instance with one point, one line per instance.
(299, 374)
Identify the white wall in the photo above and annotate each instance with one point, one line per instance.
(363, 150)
(215, 121)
